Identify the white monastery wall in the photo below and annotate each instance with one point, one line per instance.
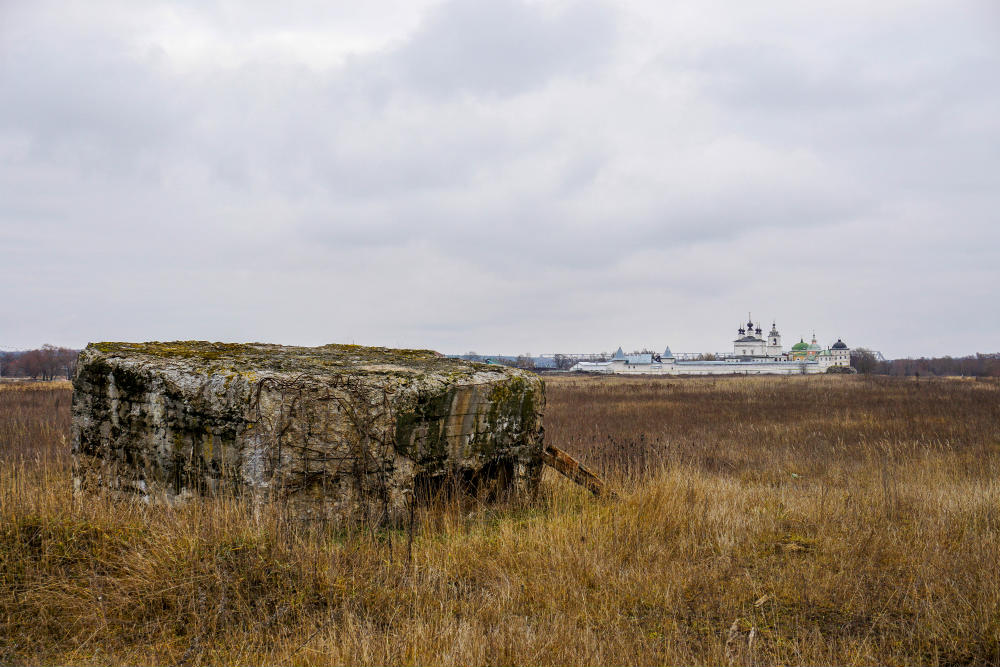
(753, 354)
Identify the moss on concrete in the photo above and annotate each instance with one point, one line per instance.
(242, 358)
(335, 427)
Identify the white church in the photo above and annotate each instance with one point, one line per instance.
(753, 354)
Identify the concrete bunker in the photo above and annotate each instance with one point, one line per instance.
(337, 431)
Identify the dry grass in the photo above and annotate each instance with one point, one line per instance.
(762, 520)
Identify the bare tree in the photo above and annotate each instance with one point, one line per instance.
(31, 363)
(49, 355)
(67, 361)
(525, 361)
(863, 360)
(564, 362)
(46, 362)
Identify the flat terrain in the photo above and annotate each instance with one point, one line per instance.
(809, 520)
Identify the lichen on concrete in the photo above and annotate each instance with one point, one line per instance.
(334, 431)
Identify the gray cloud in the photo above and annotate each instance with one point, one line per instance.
(503, 47)
(502, 176)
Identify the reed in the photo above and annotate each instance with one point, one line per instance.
(811, 520)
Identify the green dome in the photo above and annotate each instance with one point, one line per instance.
(801, 345)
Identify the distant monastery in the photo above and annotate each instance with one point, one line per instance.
(752, 354)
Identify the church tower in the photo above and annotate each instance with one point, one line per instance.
(750, 342)
(774, 341)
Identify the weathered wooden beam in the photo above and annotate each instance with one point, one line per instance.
(575, 471)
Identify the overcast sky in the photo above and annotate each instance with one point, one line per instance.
(501, 176)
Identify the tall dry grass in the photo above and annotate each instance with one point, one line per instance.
(762, 520)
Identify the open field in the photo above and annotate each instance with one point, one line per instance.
(845, 520)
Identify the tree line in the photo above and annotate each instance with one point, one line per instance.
(973, 365)
(46, 363)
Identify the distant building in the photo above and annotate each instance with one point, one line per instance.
(753, 354)
(749, 343)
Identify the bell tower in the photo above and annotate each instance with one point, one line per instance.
(774, 341)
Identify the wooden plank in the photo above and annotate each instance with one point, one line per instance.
(575, 471)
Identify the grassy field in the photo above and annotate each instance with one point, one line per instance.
(806, 520)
